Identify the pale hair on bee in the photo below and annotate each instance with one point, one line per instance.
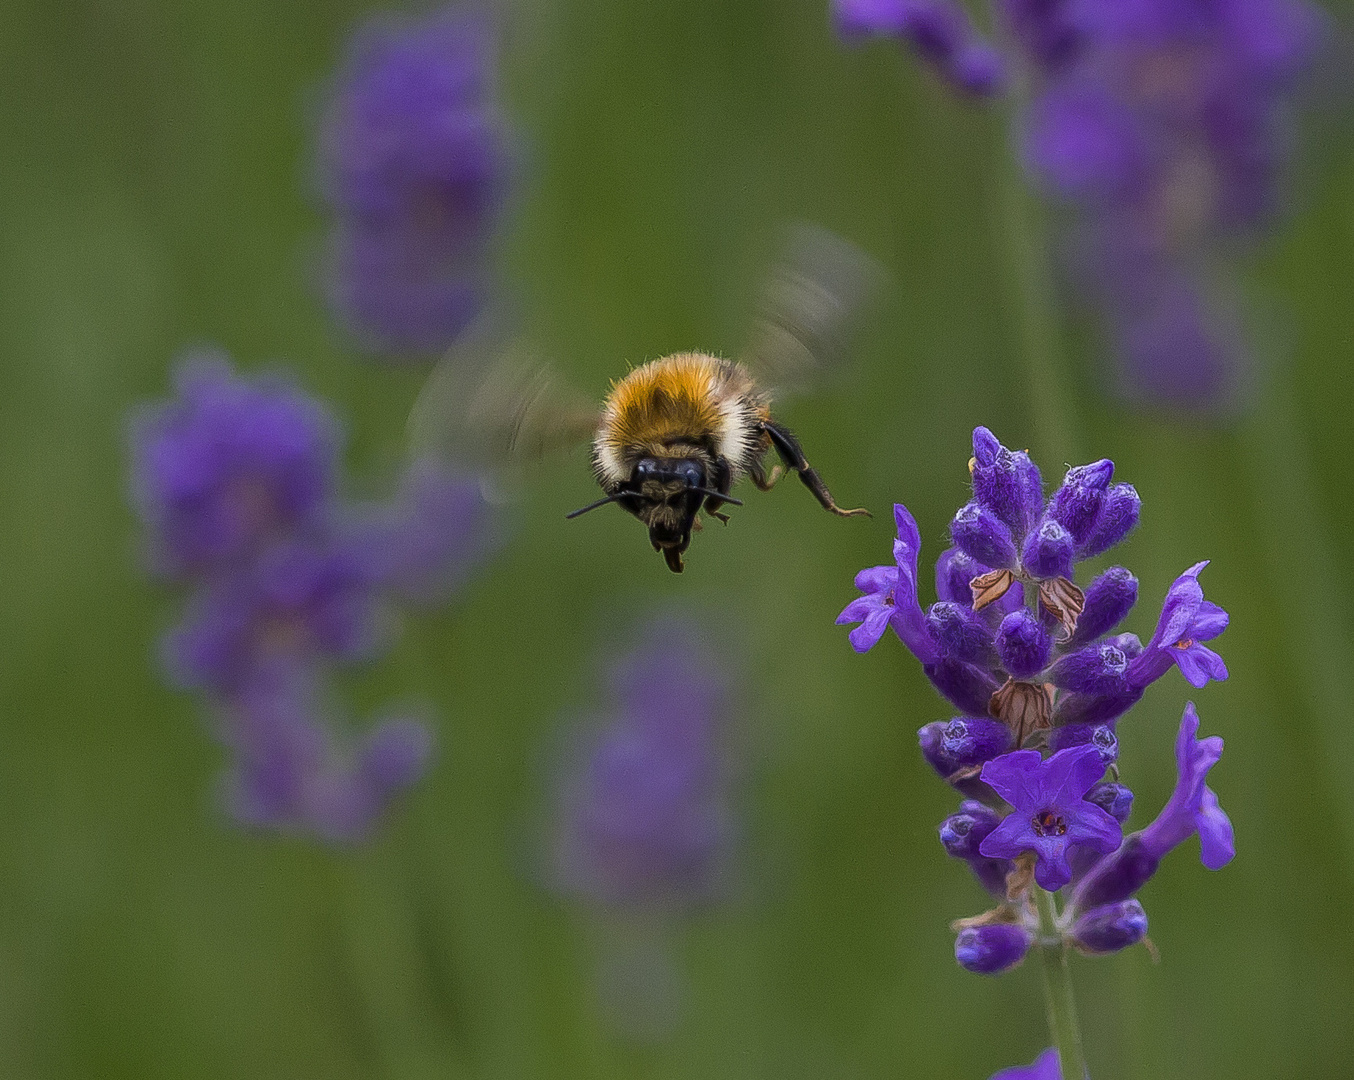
(675, 434)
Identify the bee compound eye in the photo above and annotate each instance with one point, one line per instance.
(691, 475)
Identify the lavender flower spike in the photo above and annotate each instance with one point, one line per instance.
(1187, 620)
(891, 597)
(1044, 1067)
(939, 31)
(1050, 810)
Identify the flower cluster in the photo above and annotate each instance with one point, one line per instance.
(1163, 121)
(236, 480)
(1035, 664)
(643, 819)
(413, 165)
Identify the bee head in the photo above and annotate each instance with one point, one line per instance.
(670, 493)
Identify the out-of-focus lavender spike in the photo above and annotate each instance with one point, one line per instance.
(413, 164)
(644, 820)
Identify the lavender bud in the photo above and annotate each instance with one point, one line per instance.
(1023, 644)
(962, 742)
(970, 688)
(1101, 736)
(1115, 799)
(1076, 504)
(960, 632)
(1096, 669)
(1111, 928)
(954, 571)
(987, 950)
(1048, 551)
(1109, 598)
(983, 536)
(1094, 708)
(1118, 516)
(1007, 483)
(961, 834)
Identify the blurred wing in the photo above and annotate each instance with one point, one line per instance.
(808, 308)
(497, 411)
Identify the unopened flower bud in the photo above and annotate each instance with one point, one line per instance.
(1115, 799)
(987, 950)
(962, 742)
(1101, 736)
(1118, 515)
(968, 687)
(1109, 598)
(961, 833)
(1096, 669)
(1007, 482)
(960, 632)
(1111, 927)
(1048, 551)
(1023, 644)
(1077, 503)
(983, 536)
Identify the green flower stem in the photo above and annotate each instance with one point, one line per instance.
(1062, 1007)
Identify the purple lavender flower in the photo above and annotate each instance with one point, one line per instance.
(1050, 813)
(1044, 1067)
(236, 480)
(939, 31)
(1192, 807)
(644, 820)
(230, 464)
(1048, 664)
(1110, 928)
(891, 598)
(1187, 620)
(413, 164)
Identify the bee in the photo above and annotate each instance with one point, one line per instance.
(675, 434)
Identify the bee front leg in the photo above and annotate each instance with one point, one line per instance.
(787, 446)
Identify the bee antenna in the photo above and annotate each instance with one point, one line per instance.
(718, 495)
(594, 506)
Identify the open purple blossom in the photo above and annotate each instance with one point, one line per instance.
(1192, 808)
(1050, 813)
(643, 818)
(237, 482)
(413, 165)
(891, 597)
(1187, 620)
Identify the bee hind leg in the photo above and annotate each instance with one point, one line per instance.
(787, 446)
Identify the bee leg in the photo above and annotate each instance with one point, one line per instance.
(787, 446)
(763, 480)
(673, 558)
(696, 524)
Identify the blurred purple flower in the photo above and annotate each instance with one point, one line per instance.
(1044, 1067)
(643, 818)
(413, 165)
(939, 31)
(1167, 124)
(229, 465)
(236, 480)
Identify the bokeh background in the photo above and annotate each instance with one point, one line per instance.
(155, 192)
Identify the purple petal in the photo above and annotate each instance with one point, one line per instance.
(860, 608)
(1216, 841)
(1210, 622)
(1198, 664)
(1009, 839)
(874, 579)
(908, 533)
(1010, 776)
(1051, 868)
(866, 636)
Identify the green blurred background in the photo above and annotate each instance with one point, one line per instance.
(153, 194)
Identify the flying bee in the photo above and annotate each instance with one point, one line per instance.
(675, 434)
